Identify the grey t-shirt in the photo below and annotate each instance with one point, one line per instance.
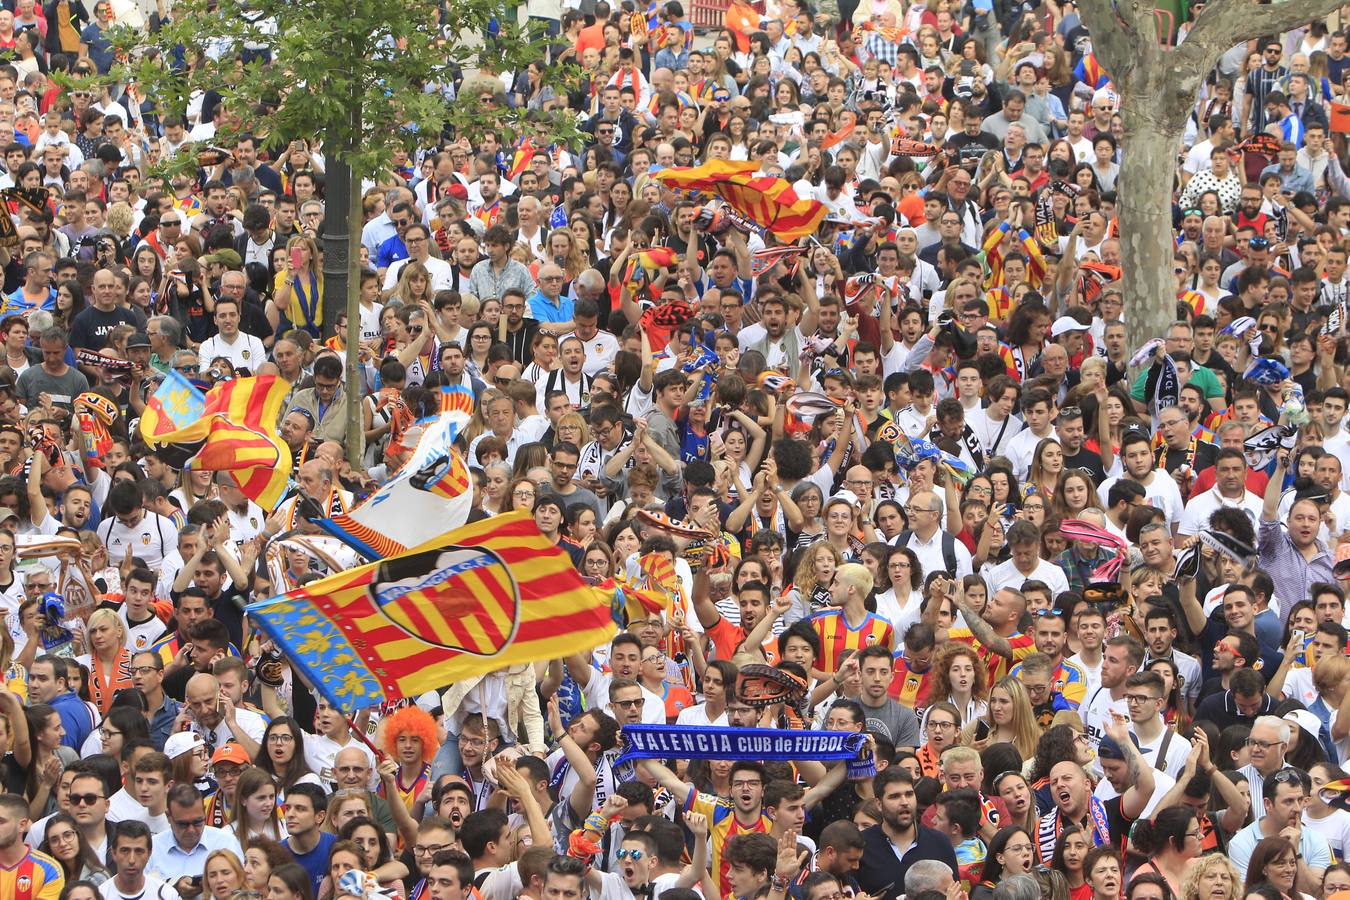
(895, 722)
(63, 389)
(663, 431)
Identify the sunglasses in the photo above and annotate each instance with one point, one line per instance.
(83, 799)
(625, 853)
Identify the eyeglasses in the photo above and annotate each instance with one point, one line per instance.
(429, 849)
(280, 738)
(473, 742)
(935, 725)
(522, 495)
(625, 853)
(83, 799)
(628, 704)
(1139, 698)
(1264, 745)
(915, 510)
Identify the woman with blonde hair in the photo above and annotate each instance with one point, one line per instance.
(811, 581)
(222, 875)
(347, 804)
(1211, 877)
(1009, 720)
(297, 291)
(960, 678)
(109, 659)
(572, 428)
(413, 287)
(561, 242)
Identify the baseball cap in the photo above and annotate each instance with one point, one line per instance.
(1306, 720)
(6, 514)
(139, 339)
(1065, 324)
(230, 753)
(228, 258)
(182, 742)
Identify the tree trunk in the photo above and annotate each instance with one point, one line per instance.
(1144, 201)
(1154, 107)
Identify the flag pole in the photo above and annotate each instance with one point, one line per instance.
(360, 735)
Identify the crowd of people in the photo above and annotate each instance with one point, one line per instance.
(1083, 601)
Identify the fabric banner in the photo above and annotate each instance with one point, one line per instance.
(686, 742)
(428, 496)
(492, 594)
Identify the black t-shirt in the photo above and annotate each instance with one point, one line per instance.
(1089, 462)
(13, 778)
(1206, 454)
(970, 150)
(91, 327)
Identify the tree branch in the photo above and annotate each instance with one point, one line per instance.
(1225, 23)
(1120, 39)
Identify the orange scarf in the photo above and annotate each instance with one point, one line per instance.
(103, 684)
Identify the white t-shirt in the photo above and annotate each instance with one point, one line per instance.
(1335, 828)
(153, 889)
(1160, 493)
(246, 352)
(150, 539)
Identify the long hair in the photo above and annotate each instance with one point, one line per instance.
(251, 780)
(85, 857)
(942, 664)
(1266, 851)
(295, 878)
(993, 869)
(297, 767)
(1026, 733)
(362, 822)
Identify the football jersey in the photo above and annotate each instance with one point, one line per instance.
(910, 688)
(837, 635)
(722, 826)
(34, 877)
(1022, 646)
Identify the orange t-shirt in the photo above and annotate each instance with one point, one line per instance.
(593, 36)
(726, 637)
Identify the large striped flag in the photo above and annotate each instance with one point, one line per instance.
(430, 495)
(237, 433)
(174, 405)
(770, 203)
(492, 594)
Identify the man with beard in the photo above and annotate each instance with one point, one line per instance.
(1069, 430)
(625, 662)
(899, 841)
(1160, 632)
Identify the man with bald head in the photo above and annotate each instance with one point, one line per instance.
(90, 329)
(548, 306)
(354, 770)
(208, 711)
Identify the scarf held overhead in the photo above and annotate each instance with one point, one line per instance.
(667, 741)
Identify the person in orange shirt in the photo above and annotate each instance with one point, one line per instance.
(753, 600)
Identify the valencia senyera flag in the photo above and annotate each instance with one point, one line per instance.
(491, 594)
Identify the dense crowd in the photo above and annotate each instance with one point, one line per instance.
(904, 478)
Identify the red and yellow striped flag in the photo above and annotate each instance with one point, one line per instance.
(492, 594)
(770, 203)
(237, 433)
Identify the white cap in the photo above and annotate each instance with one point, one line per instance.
(846, 496)
(1306, 720)
(181, 742)
(1065, 324)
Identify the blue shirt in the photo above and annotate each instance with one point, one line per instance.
(16, 304)
(315, 862)
(75, 718)
(390, 252)
(543, 310)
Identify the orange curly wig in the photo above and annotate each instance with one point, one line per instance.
(415, 721)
